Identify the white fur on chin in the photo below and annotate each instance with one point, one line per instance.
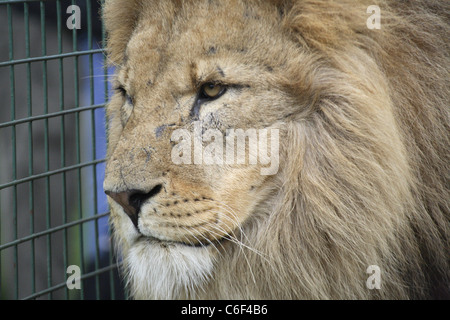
(158, 270)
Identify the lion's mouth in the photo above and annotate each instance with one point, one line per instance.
(168, 243)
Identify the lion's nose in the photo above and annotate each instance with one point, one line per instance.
(132, 200)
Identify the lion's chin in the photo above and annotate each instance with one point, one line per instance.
(159, 269)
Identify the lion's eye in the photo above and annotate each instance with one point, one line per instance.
(124, 93)
(212, 91)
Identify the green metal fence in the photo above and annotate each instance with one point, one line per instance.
(53, 213)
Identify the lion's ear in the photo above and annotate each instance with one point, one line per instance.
(120, 18)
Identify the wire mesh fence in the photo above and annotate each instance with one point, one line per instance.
(53, 213)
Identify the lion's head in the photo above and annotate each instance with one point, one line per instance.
(277, 149)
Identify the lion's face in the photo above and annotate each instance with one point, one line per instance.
(200, 75)
(203, 73)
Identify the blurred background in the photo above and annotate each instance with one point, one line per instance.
(53, 212)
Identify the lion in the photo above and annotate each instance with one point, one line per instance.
(358, 207)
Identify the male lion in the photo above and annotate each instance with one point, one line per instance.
(363, 123)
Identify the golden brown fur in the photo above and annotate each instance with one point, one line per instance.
(364, 148)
